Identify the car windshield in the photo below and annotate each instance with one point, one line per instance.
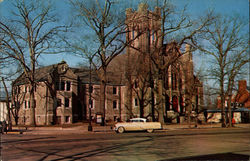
(137, 120)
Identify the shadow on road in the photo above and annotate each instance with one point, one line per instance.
(26, 140)
(90, 153)
(222, 156)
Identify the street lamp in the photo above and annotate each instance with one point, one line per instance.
(90, 106)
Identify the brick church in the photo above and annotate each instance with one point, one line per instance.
(62, 92)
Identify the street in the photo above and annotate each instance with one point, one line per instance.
(184, 144)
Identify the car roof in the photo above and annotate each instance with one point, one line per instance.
(138, 119)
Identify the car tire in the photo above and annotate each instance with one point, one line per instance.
(150, 130)
(120, 129)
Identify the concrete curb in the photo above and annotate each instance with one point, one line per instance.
(105, 129)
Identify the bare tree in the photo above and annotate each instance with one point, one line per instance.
(163, 51)
(9, 70)
(182, 29)
(142, 83)
(227, 44)
(107, 27)
(31, 31)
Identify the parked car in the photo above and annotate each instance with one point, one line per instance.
(137, 124)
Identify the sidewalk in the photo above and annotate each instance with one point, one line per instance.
(203, 126)
(83, 129)
(55, 130)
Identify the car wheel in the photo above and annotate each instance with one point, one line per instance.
(121, 129)
(150, 130)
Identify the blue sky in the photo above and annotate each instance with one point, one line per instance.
(195, 8)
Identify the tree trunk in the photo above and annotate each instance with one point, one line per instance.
(141, 108)
(152, 102)
(230, 112)
(223, 120)
(16, 120)
(129, 99)
(160, 100)
(120, 104)
(103, 98)
(32, 121)
(189, 109)
(103, 94)
(229, 108)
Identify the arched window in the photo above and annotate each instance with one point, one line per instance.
(167, 103)
(181, 104)
(175, 103)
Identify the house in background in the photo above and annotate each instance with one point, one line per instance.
(240, 104)
(243, 95)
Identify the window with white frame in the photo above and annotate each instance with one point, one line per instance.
(63, 85)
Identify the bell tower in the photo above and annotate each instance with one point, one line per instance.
(143, 28)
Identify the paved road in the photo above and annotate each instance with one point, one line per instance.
(185, 144)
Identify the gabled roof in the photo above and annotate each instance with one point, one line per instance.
(41, 74)
(83, 74)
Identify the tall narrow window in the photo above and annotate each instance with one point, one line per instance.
(91, 89)
(175, 103)
(57, 86)
(67, 119)
(17, 91)
(68, 84)
(114, 104)
(180, 83)
(62, 85)
(59, 102)
(66, 103)
(133, 34)
(135, 84)
(114, 90)
(136, 102)
(174, 81)
(152, 36)
(25, 104)
(91, 105)
(34, 103)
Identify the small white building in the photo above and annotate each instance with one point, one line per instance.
(3, 110)
(240, 115)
